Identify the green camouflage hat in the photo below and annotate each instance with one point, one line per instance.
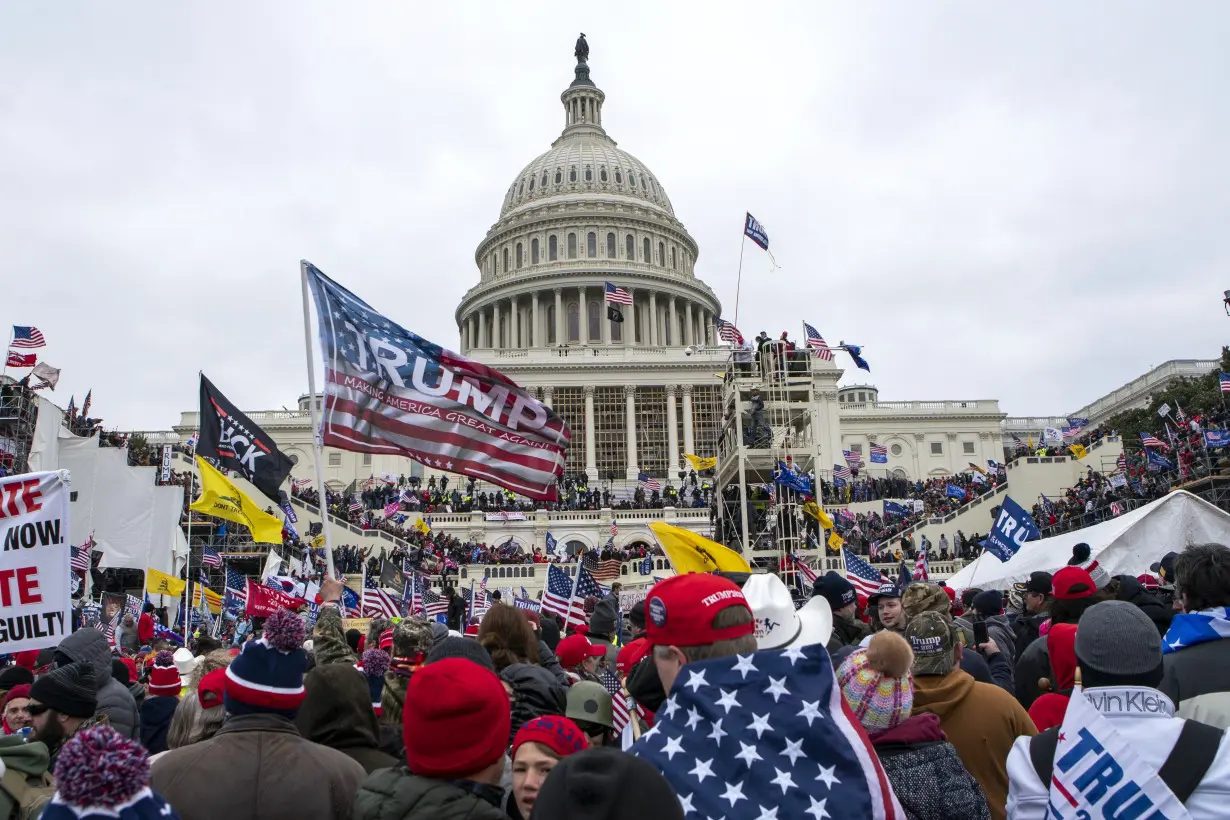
(411, 637)
(932, 637)
(589, 702)
(919, 598)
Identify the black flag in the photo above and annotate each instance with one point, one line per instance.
(614, 314)
(234, 442)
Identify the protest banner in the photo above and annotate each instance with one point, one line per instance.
(361, 624)
(263, 601)
(34, 562)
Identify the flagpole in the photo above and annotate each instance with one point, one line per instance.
(188, 556)
(321, 491)
(739, 280)
(575, 580)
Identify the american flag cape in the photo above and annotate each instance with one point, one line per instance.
(771, 730)
(921, 572)
(390, 391)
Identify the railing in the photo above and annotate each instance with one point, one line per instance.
(1015, 423)
(1097, 516)
(981, 405)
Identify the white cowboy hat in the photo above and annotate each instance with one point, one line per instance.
(778, 623)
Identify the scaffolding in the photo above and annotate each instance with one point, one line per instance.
(768, 424)
(18, 415)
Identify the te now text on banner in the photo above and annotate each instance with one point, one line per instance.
(34, 561)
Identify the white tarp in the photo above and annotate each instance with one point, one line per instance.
(1126, 545)
(44, 451)
(168, 507)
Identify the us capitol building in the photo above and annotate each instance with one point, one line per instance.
(636, 394)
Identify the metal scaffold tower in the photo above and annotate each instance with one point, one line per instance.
(18, 415)
(768, 425)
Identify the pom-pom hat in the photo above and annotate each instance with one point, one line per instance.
(164, 681)
(877, 682)
(375, 663)
(267, 676)
(101, 774)
(1081, 557)
(681, 610)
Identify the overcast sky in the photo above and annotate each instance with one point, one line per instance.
(1027, 204)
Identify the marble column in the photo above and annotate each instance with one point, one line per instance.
(495, 326)
(582, 323)
(559, 316)
(689, 337)
(653, 318)
(629, 328)
(672, 432)
(630, 424)
(514, 325)
(688, 441)
(536, 326)
(605, 325)
(548, 396)
(673, 323)
(591, 450)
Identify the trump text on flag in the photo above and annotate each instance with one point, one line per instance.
(34, 561)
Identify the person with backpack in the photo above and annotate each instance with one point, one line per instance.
(1119, 656)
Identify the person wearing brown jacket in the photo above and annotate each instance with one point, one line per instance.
(981, 720)
(258, 765)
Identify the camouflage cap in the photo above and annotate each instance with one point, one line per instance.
(589, 702)
(932, 637)
(919, 598)
(411, 637)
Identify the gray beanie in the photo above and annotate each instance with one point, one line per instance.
(453, 647)
(1117, 638)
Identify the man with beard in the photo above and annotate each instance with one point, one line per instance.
(847, 629)
(62, 703)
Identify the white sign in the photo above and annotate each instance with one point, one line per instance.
(1118, 480)
(1164, 410)
(1051, 435)
(166, 463)
(34, 561)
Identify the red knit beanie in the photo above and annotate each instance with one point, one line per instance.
(559, 734)
(456, 719)
(164, 681)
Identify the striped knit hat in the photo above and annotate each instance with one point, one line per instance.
(877, 682)
(267, 676)
(375, 663)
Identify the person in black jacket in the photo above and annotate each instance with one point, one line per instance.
(1036, 594)
(456, 610)
(1127, 588)
(839, 592)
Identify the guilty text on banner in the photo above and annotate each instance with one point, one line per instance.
(34, 562)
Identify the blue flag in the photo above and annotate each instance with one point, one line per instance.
(1078, 422)
(1216, 438)
(856, 353)
(953, 491)
(1158, 462)
(895, 508)
(1012, 529)
(787, 477)
(754, 231)
(647, 566)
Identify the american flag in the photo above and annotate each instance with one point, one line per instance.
(108, 629)
(27, 337)
(376, 602)
(651, 484)
(617, 295)
(236, 586)
(210, 557)
(1121, 462)
(1071, 432)
(879, 454)
(427, 403)
(301, 483)
(864, 576)
(803, 569)
(920, 568)
(1149, 440)
(841, 471)
(356, 506)
(82, 557)
(614, 528)
(434, 604)
(477, 602)
(816, 342)
(853, 459)
(85, 405)
(728, 332)
(556, 600)
(761, 722)
(602, 571)
(1017, 440)
(620, 713)
(1223, 379)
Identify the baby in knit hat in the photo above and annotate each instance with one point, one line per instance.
(927, 776)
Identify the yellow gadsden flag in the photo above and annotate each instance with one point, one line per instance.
(222, 499)
(689, 552)
(813, 509)
(159, 583)
(1079, 451)
(700, 464)
(836, 542)
(212, 599)
(423, 527)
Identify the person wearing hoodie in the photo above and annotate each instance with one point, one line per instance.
(24, 764)
(848, 630)
(337, 712)
(1048, 710)
(604, 625)
(1036, 597)
(114, 699)
(929, 779)
(1074, 592)
(995, 668)
(988, 608)
(1128, 588)
(546, 656)
(159, 707)
(535, 693)
(981, 721)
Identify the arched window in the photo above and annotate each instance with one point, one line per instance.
(531, 185)
(632, 178)
(674, 264)
(629, 248)
(610, 246)
(544, 179)
(506, 260)
(591, 245)
(559, 176)
(574, 322)
(520, 260)
(572, 246)
(645, 255)
(602, 174)
(553, 248)
(662, 253)
(594, 314)
(589, 174)
(521, 188)
(534, 251)
(572, 174)
(551, 324)
(619, 177)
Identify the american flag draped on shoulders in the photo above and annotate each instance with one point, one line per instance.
(390, 391)
(766, 736)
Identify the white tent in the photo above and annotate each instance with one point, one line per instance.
(1126, 545)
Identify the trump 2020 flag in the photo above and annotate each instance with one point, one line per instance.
(1012, 529)
(1088, 749)
(765, 735)
(390, 391)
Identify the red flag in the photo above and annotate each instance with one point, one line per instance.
(263, 601)
(22, 359)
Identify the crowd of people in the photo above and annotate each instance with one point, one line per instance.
(708, 696)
